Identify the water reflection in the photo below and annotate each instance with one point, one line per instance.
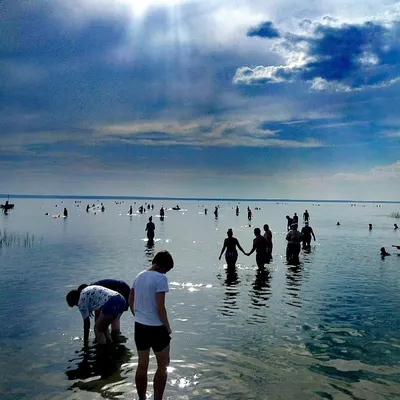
(261, 292)
(231, 292)
(294, 276)
(149, 251)
(102, 362)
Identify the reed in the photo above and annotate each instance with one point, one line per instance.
(395, 214)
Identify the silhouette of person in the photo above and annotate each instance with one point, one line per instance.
(150, 228)
(249, 214)
(268, 236)
(289, 222)
(65, 212)
(384, 253)
(230, 244)
(306, 216)
(294, 238)
(260, 246)
(237, 210)
(307, 232)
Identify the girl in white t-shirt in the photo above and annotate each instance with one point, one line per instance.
(152, 330)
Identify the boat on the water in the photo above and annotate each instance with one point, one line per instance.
(7, 206)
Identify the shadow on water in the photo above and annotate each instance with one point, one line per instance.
(103, 363)
(231, 291)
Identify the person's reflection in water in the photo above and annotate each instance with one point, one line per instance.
(261, 288)
(294, 277)
(231, 281)
(98, 361)
(149, 250)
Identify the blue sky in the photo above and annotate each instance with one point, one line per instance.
(201, 98)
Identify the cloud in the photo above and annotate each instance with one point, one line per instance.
(333, 57)
(200, 133)
(391, 134)
(264, 30)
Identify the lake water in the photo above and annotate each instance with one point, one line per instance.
(326, 329)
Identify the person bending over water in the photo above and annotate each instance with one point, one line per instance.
(150, 228)
(289, 222)
(307, 232)
(152, 329)
(118, 286)
(230, 244)
(384, 253)
(260, 246)
(109, 303)
(294, 238)
(268, 236)
(396, 227)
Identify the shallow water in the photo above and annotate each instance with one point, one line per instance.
(325, 329)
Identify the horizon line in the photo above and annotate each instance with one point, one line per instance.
(113, 197)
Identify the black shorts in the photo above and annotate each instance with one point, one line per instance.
(155, 337)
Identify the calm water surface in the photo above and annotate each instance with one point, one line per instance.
(325, 329)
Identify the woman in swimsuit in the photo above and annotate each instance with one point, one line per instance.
(230, 244)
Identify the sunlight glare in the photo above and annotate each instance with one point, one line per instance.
(140, 7)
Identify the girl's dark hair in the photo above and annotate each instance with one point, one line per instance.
(81, 287)
(164, 260)
(72, 298)
(230, 232)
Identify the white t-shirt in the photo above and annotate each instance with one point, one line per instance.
(93, 298)
(146, 285)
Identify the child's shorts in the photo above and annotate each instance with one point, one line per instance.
(115, 306)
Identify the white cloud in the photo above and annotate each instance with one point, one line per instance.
(199, 133)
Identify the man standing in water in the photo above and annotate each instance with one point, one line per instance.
(307, 231)
(293, 247)
(260, 246)
(268, 236)
(152, 330)
(150, 228)
(306, 216)
(249, 214)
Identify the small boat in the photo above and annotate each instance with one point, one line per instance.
(7, 206)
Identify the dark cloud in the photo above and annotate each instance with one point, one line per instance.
(346, 57)
(264, 30)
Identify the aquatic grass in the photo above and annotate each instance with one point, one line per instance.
(395, 214)
(14, 239)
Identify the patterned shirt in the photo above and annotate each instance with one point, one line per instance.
(93, 298)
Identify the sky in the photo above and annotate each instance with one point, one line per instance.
(201, 98)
